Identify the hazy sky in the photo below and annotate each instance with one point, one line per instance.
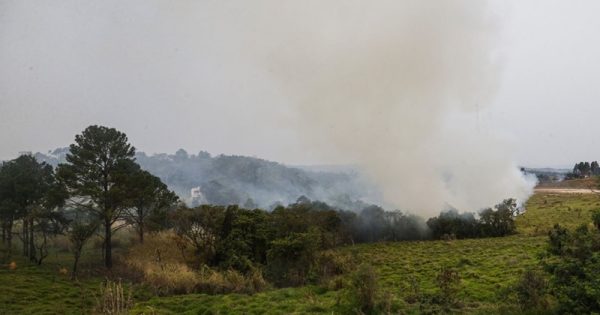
(197, 75)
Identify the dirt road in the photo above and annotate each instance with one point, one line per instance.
(567, 191)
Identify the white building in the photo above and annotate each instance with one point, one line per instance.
(196, 196)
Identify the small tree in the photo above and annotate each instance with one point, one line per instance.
(200, 227)
(448, 281)
(595, 168)
(149, 199)
(499, 222)
(531, 290)
(46, 224)
(291, 258)
(79, 233)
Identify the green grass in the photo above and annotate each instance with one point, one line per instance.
(488, 268)
(546, 209)
(303, 300)
(32, 289)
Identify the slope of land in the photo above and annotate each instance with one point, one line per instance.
(488, 269)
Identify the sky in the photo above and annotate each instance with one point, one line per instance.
(206, 75)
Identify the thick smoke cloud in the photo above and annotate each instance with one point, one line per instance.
(396, 88)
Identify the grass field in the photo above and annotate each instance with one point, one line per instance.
(546, 209)
(487, 267)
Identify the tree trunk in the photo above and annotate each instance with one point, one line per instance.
(3, 232)
(103, 249)
(141, 232)
(32, 254)
(107, 245)
(9, 236)
(25, 236)
(42, 252)
(75, 262)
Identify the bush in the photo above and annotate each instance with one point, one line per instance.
(230, 281)
(531, 291)
(364, 288)
(448, 282)
(572, 260)
(329, 264)
(596, 218)
(290, 259)
(112, 299)
(160, 248)
(170, 278)
(164, 268)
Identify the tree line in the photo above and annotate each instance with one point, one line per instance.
(490, 222)
(584, 169)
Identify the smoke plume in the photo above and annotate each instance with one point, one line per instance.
(396, 87)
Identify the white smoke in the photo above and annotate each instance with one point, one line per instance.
(396, 88)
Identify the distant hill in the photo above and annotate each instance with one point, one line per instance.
(248, 181)
(547, 175)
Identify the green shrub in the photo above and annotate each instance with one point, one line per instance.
(531, 291)
(573, 261)
(290, 260)
(448, 282)
(596, 218)
(364, 288)
(329, 264)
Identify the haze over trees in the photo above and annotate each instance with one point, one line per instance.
(225, 180)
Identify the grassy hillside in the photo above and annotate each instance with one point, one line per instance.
(487, 267)
(546, 209)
